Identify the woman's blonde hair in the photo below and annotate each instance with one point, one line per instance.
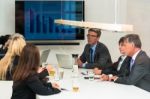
(15, 47)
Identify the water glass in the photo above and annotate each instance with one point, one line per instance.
(91, 75)
(61, 73)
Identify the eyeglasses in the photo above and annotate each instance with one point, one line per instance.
(88, 35)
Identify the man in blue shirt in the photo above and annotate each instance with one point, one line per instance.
(95, 53)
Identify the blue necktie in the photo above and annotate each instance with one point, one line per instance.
(131, 63)
(91, 55)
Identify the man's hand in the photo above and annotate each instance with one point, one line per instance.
(79, 63)
(104, 77)
(97, 71)
(113, 78)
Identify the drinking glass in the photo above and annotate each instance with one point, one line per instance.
(61, 73)
(91, 75)
(75, 85)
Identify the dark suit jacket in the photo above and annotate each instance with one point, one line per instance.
(124, 70)
(102, 56)
(140, 73)
(28, 88)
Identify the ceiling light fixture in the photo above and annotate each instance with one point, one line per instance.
(104, 26)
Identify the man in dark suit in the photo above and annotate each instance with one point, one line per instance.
(139, 65)
(95, 53)
(120, 67)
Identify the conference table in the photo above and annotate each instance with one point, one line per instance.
(90, 89)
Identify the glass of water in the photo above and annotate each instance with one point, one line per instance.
(91, 75)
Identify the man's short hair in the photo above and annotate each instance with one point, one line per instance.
(121, 40)
(135, 39)
(97, 31)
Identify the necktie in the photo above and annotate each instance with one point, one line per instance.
(131, 63)
(91, 55)
(120, 63)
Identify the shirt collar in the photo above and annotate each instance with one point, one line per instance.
(123, 57)
(134, 56)
(93, 46)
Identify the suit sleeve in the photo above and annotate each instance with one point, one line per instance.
(111, 69)
(83, 55)
(103, 59)
(38, 87)
(138, 72)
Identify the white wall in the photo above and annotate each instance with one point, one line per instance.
(138, 15)
(129, 11)
(7, 16)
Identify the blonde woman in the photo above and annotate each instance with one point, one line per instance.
(8, 63)
(16, 44)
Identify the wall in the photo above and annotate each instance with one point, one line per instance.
(129, 11)
(138, 15)
(7, 17)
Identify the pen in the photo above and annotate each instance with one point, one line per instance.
(64, 89)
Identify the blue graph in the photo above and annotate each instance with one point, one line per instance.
(39, 19)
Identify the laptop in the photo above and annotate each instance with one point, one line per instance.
(64, 61)
(44, 56)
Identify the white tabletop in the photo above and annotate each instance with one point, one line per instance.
(96, 89)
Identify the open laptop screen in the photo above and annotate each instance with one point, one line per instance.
(44, 56)
(64, 60)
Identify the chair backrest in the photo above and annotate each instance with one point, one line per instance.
(6, 89)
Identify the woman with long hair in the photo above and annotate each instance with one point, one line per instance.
(16, 44)
(26, 80)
